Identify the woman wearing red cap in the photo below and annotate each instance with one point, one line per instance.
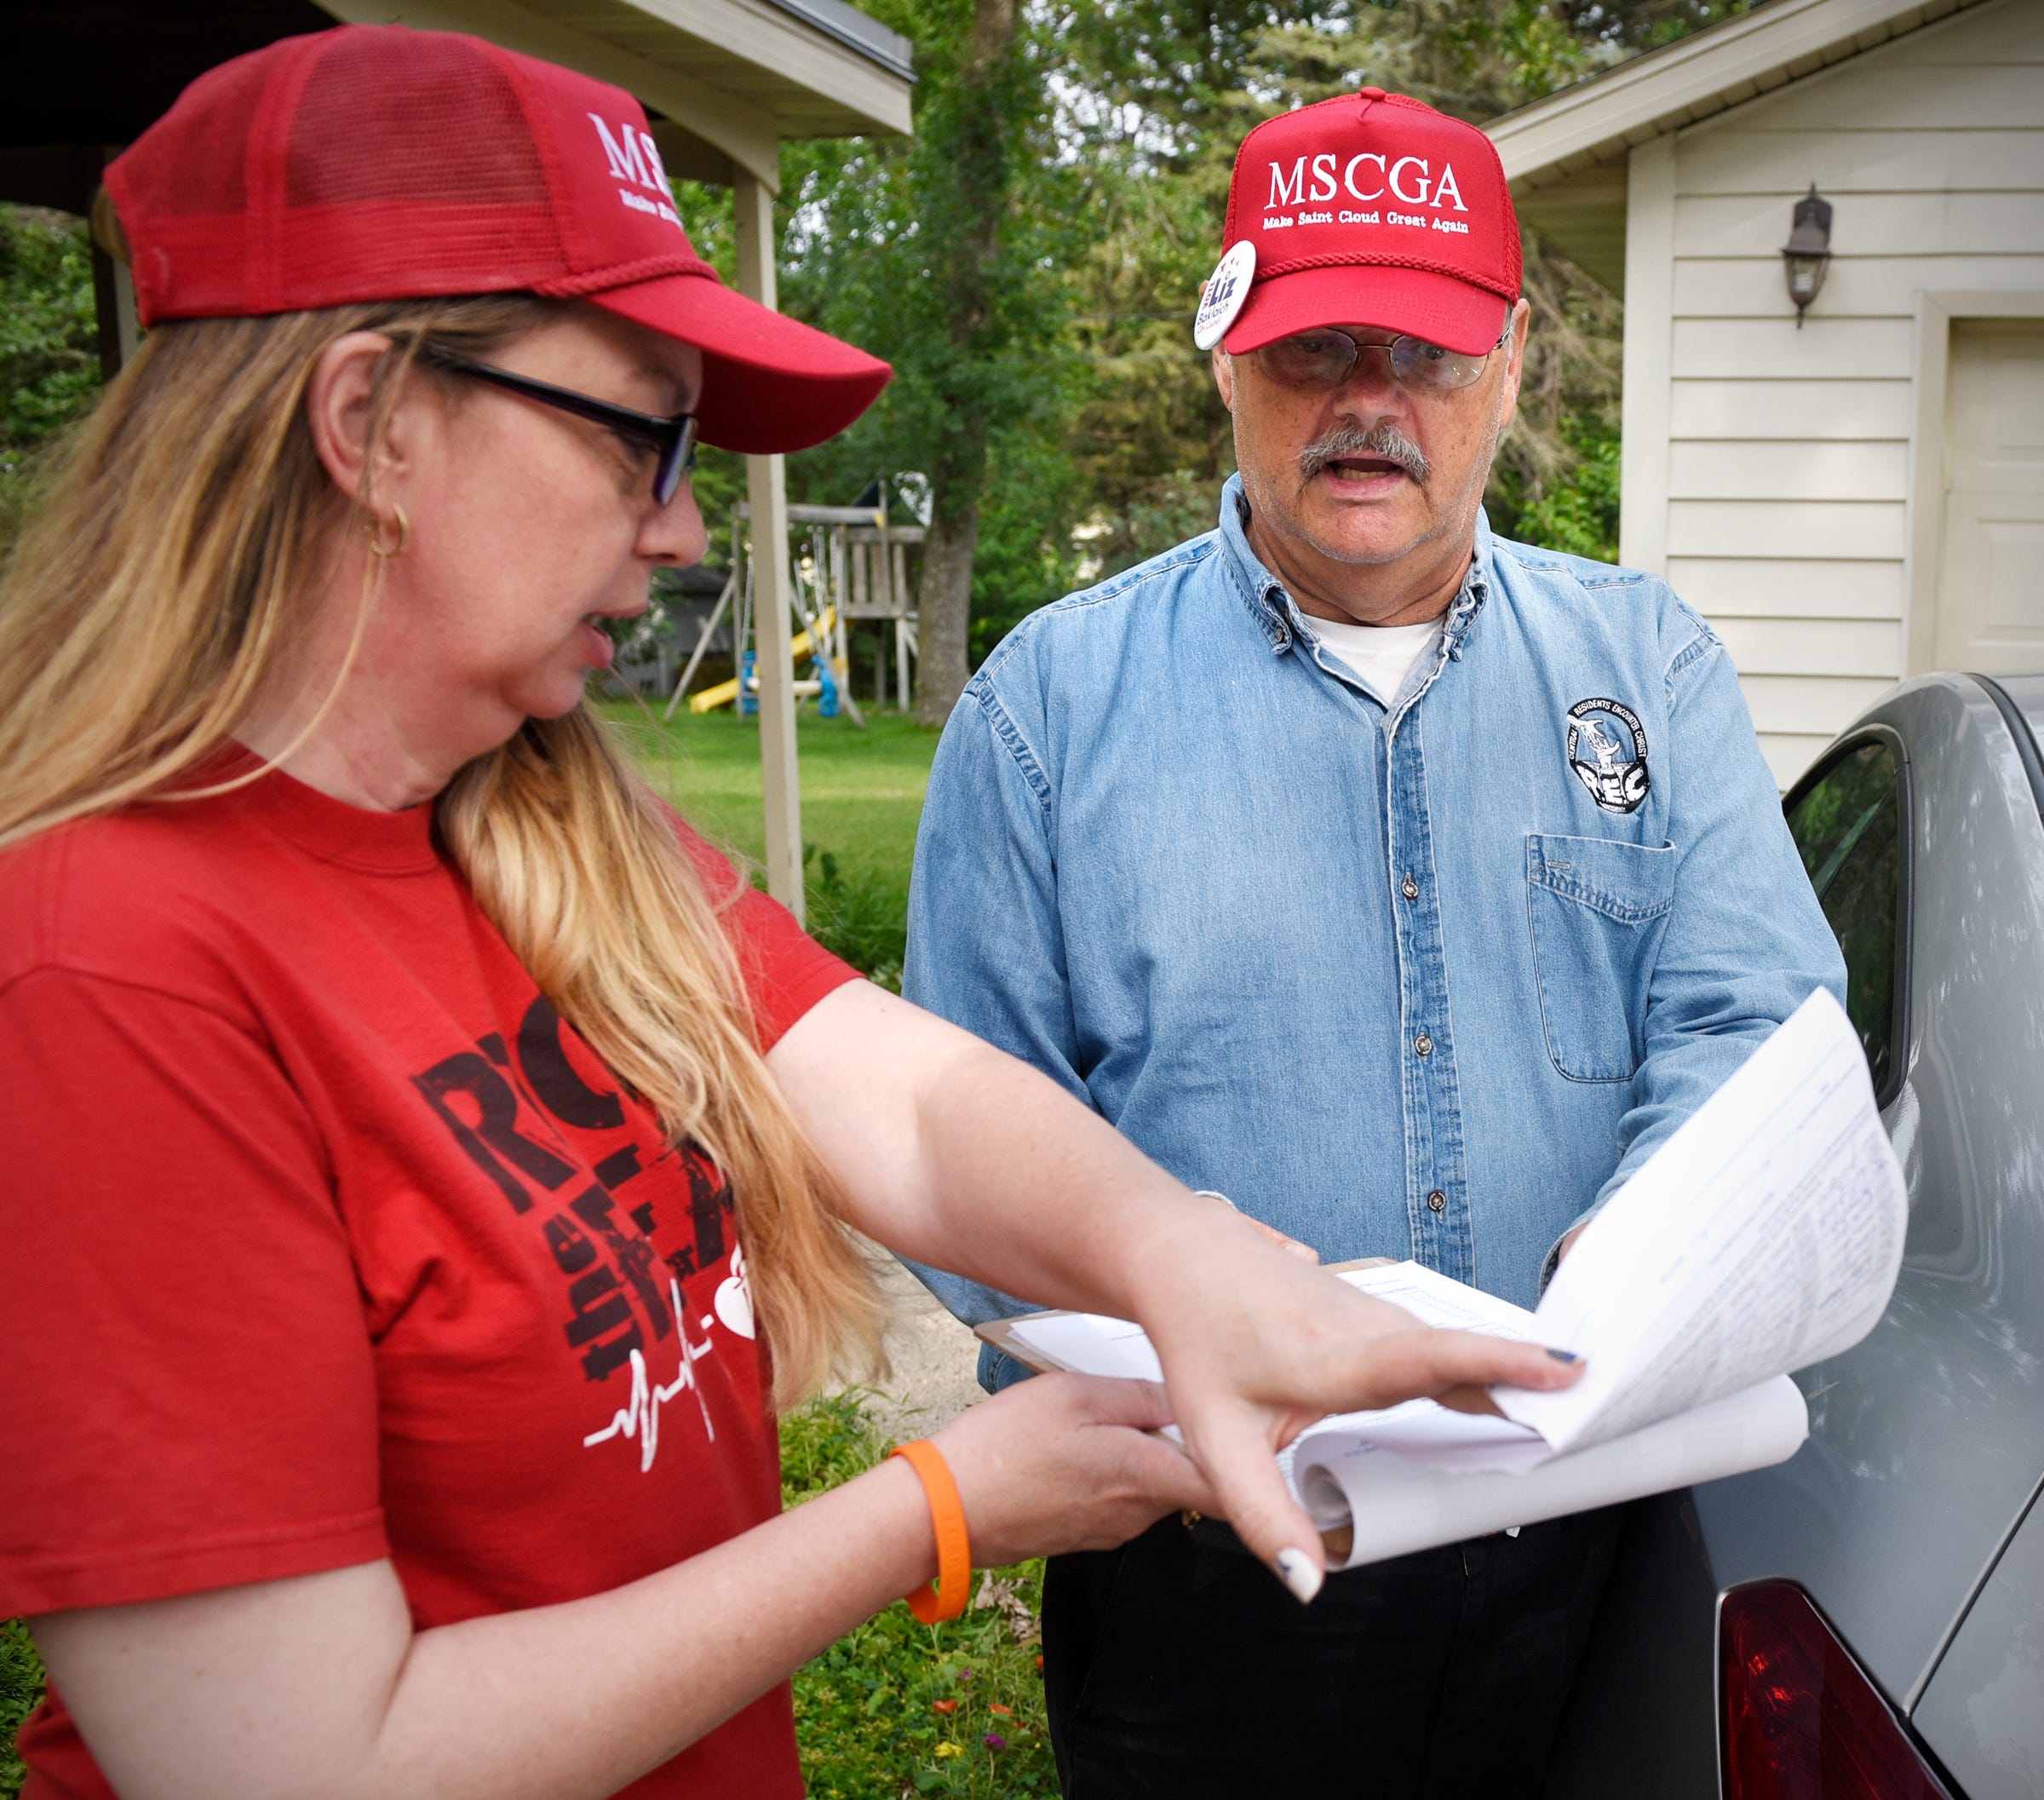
(427, 1163)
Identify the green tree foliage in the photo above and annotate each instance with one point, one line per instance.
(1031, 262)
(1028, 261)
(945, 254)
(49, 341)
(1578, 516)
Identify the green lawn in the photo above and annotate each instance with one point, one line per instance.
(862, 795)
(862, 791)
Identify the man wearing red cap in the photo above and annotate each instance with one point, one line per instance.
(1406, 885)
(420, 1168)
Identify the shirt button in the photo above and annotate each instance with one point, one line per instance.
(1437, 1201)
(1410, 888)
(1423, 1044)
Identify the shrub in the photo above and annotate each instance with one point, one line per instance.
(867, 1711)
(861, 919)
(21, 1691)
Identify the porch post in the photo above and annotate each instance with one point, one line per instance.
(766, 489)
(114, 298)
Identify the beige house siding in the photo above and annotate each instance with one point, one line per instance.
(1770, 473)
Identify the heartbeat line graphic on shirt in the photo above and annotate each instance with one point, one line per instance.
(640, 1416)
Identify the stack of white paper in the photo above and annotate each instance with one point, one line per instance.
(1764, 1235)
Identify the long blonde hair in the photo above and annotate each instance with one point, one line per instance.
(177, 554)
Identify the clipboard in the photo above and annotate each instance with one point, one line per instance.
(1336, 1539)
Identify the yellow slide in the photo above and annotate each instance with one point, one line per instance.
(725, 692)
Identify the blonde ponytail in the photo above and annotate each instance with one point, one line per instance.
(577, 864)
(177, 556)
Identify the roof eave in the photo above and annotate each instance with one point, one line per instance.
(859, 32)
(728, 79)
(1721, 67)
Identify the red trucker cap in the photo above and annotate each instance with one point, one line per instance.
(373, 163)
(1370, 209)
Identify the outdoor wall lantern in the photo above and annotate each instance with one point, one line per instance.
(1807, 254)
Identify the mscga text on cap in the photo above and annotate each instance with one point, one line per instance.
(1372, 209)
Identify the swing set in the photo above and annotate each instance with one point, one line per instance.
(845, 563)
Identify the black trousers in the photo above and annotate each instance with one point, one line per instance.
(1177, 1668)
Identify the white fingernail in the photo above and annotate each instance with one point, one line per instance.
(1301, 1574)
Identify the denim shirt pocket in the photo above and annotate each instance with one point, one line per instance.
(1598, 910)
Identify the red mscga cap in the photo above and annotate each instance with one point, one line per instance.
(1373, 209)
(371, 163)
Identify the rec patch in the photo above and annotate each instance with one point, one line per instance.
(1607, 748)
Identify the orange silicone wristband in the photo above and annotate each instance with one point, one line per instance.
(943, 1598)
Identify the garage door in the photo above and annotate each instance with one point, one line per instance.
(1990, 585)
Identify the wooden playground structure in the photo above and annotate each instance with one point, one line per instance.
(845, 563)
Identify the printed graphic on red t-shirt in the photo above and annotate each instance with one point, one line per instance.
(485, 1321)
(505, 1106)
(620, 1295)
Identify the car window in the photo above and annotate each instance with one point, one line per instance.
(1847, 825)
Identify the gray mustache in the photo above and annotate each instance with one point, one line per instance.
(1383, 439)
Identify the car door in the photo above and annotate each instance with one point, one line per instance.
(1922, 830)
(1643, 1719)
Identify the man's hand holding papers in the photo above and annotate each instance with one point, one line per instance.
(1764, 1236)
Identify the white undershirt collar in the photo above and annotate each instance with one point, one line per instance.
(1380, 657)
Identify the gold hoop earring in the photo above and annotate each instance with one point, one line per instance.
(372, 529)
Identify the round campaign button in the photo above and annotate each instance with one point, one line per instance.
(1222, 297)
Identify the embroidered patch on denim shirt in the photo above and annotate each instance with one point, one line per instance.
(1607, 748)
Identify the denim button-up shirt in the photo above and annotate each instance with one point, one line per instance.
(1427, 980)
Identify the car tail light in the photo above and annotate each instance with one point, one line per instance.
(1800, 1721)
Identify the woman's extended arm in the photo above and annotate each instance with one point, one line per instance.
(959, 1156)
(318, 1687)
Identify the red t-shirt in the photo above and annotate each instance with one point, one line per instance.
(327, 1241)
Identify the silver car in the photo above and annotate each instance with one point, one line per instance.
(1866, 1621)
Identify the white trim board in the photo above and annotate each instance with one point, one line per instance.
(1718, 67)
(1649, 350)
(1936, 309)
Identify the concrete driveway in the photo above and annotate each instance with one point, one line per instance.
(933, 1358)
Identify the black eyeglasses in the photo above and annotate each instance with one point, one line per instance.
(673, 440)
(1326, 359)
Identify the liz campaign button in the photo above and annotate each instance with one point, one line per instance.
(1225, 291)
